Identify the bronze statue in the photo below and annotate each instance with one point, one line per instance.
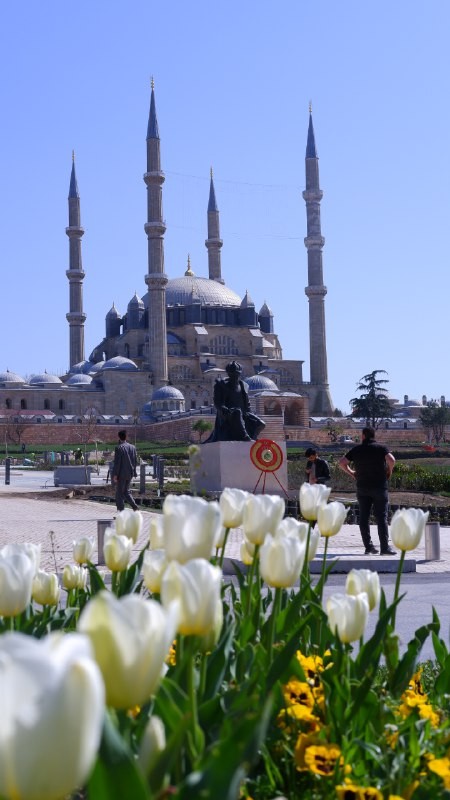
(234, 420)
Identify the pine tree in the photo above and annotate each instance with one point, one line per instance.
(373, 404)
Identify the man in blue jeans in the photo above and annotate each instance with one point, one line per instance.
(373, 465)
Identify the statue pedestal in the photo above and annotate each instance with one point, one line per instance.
(221, 465)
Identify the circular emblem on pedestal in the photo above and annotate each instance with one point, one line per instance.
(266, 455)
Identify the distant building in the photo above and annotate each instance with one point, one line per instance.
(163, 352)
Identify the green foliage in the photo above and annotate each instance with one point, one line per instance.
(434, 418)
(373, 404)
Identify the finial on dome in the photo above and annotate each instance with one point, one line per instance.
(152, 83)
(189, 272)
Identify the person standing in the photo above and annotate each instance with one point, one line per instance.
(317, 469)
(124, 469)
(373, 465)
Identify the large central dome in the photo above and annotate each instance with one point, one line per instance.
(183, 291)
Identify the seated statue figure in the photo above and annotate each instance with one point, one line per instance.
(234, 420)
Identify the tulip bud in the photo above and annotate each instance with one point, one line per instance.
(83, 549)
(281, 560)
(131, 637)
(207, 643)
(155, 563)
(232, 502)
(46, 590)
(407, 527)
(74, 577)
(117, 551)
(262, 515)
(347, 615)
(312, 496)
(33, 551)
(52, 715)
(364, 580)
(330, 518)
(156, 532)
(191, 527)
(16, 578)
(197, 586)
(129, 523)
(153, 742)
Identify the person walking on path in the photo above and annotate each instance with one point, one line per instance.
(373, 465)
(317, 469)
(124, 469)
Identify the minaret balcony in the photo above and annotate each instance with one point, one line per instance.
(157, 177)
(75, 230)
(76, 317)
(156, 280)
(75, 275)
(312, 195)
(155, 229)
(312, 242)
(315, 291)
(213, 243)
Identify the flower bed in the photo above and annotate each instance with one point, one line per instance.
(175, 683)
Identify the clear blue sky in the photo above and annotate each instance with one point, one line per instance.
(233, 81)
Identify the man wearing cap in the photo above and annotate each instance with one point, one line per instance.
(234, 420)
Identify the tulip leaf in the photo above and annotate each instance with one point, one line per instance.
(218, 662)
(283, 658)
(115, 774)
(442, 685)
(96, 581)
(406, 666)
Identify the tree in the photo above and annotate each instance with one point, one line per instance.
(201, 427)
(15, 427)
(334, 430)
(434, 418)
(373, 404)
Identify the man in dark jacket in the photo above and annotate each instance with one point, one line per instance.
(373, 465)
(317, 469)
(124, 469)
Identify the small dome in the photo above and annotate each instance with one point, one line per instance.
(35, 380)
(265, 311)
(113, 312)
(135, 302)
(79, 380)
(120, 362)
(96, 367)
(82, 366)
(166, 392)
(10, 377)
(259, 383)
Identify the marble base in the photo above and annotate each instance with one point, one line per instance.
(220, 465)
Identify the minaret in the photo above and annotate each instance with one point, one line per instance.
(155, 228)
(213, 242)
(315, 291)
(76, 317)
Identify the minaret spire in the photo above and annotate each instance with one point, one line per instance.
(213, 242)
(155, 228)
(76, 316)
(315, 291)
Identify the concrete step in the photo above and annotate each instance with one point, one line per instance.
(341, 564)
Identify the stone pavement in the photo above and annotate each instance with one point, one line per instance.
(57, 522)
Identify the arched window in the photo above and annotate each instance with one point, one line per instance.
(46, 404)
(8, 403)
(23, 404)
(61, 405)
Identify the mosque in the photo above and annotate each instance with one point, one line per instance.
(162, 355)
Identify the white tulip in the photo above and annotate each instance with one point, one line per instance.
(312, 497)
(117, 551)
(247, 552)
(232, 502)
(281, 560)
(347, 615)
(191, 527)
(364, 580)
(157, 532)
(314, 539)
(196, 585)
(330, 518)
(131, 637)
(407, 527)
(52, 715)
(74, 577)
(16, 579)
(46, 589)
(153, 742)
(33, 551)
(292, 527)
(129, 523)
(155, 563)
(262, 515)
(83, 549)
